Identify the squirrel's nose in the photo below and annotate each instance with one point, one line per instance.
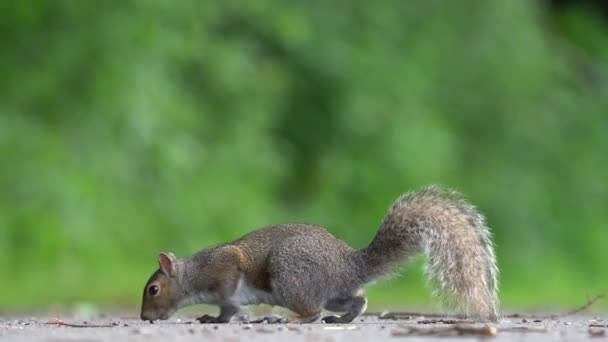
(144, 317)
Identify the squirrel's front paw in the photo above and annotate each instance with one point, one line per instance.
(331, 319)
(210, 319)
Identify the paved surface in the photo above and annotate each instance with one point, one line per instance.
(366, 328)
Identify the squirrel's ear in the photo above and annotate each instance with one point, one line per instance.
(166, 261)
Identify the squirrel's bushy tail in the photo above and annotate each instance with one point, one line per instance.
(454, 236)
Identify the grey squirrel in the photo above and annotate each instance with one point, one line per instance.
(306, 269)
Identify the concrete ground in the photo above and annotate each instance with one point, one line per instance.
(412, 327)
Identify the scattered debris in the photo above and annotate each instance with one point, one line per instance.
(382, 314)
(406, 326)
(141, 331)
(273, 319)
(389, 316)
(264, 330)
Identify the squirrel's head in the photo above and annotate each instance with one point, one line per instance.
(162, 292)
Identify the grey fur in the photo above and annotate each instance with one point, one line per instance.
(308, 269)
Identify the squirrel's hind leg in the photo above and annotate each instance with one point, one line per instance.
(353, 306)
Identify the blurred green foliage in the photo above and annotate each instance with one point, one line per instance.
(133, 127)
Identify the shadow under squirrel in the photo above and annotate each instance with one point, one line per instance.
(306, 269)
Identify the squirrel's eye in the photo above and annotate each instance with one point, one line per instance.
(153, 290)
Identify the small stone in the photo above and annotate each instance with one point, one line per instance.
(292, 327)
(595, 332)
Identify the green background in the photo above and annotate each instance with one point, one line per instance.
(133, 127)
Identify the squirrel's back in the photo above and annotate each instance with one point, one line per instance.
(260, 244)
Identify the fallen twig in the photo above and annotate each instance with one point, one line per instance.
(444, 321)
(401, 314)
(417, 315)
(584, 307)
(525, 329)
(457, 318)
(57, 321)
